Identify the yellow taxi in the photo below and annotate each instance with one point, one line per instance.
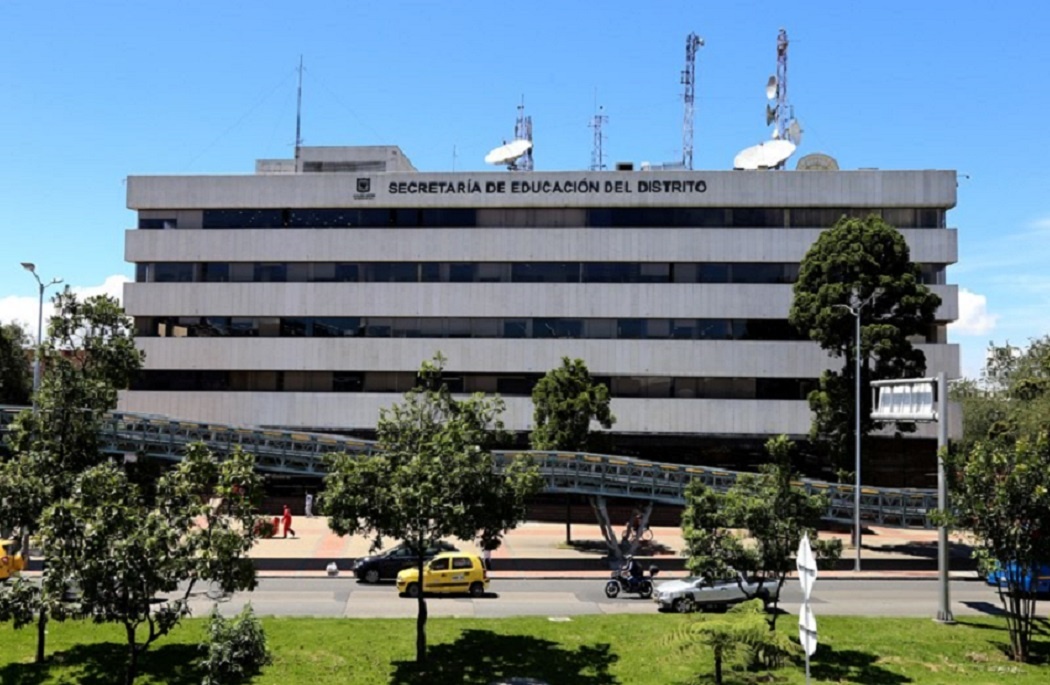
(446, 573)
(10, 563)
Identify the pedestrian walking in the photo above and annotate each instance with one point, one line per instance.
(286, 520)
(486, 553)
(309, 505)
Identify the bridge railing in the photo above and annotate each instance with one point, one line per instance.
(302, 453)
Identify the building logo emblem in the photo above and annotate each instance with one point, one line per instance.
(364, 189)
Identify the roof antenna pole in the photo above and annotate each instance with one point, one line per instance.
(693, 43)
(781, 113)
(523, 131)
(298, 116)
(783, 108)
(597, 156)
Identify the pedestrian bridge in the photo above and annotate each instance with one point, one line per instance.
(303, 454)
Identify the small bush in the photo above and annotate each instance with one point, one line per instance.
(234, 650)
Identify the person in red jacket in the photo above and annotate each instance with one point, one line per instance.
(286, 521)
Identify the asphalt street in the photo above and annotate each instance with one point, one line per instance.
(344, 597)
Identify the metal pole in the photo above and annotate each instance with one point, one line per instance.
(39, 342)
(31, 268)
(856, 436)
(944, 612)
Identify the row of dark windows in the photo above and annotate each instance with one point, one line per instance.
(651, 387)
(465, 272)
(453, 327)
(596, 217)
(481, 272)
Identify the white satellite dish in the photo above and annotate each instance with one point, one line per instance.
(794, 132)
(816, 161)
(768, 155)
(771, 87)
(506, 154)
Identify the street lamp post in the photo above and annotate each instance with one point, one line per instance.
(31, 268)
(854, 307)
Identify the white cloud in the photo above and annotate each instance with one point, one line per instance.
(24, 309)
(974, 318)
(1041, 224)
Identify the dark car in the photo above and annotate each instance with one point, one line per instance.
(386, 565)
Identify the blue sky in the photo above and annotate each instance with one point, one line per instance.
(96, 91)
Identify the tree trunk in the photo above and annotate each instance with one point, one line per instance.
(421, 619)
(718, 668)
(601, 513)
(568, 519)
(133, 656)
(41, 633)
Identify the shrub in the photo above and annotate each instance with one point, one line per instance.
(234, 650)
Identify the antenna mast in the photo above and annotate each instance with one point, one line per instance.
(781, 114)
(693, 43)
(597, 158)
(298, 115)
(523, 131)
(783, 108)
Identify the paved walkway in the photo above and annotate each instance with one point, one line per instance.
(537, 549)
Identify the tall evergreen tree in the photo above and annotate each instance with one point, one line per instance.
(864, 264)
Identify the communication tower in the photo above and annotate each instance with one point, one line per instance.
(781, 114)
(523, 131)
(787, 133)
(597, 158)
(693, 43)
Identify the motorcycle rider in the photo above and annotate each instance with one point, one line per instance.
(634, 571)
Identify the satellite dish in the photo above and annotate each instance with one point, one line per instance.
(506, 154)
(768, 155)
(794, 132)
(817, 161)
(771, 87)
(771, 114)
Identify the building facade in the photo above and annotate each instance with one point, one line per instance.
(306, 294)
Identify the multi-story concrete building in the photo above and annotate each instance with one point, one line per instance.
(307, 294)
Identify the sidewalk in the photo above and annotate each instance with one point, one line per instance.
(537, 550)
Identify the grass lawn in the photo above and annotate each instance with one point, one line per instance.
(587, 650)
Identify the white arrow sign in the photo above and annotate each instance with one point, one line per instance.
(806, 565)
(807, 630)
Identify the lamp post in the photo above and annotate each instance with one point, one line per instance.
(854, 307)
(31, 268)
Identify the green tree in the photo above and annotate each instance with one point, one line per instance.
(432, 477)
(1011, 400)
(16, 377)
(565, 402)
(87, 356)
(754, 528)
(1001, 495)
(138, 564)
(860, 262)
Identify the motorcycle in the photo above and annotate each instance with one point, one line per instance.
(623, 581)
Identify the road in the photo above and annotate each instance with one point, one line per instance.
(345, 598)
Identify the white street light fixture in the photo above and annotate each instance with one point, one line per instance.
(31, 268)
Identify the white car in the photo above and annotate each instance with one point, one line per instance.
(698, 593)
